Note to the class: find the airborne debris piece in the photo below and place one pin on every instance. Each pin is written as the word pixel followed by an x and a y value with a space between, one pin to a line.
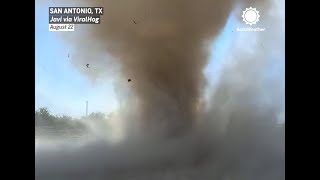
pixel 129 80
pixel 68 55
pixel 87 66
pixel 135 22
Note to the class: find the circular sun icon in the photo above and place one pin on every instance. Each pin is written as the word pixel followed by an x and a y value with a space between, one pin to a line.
pixel 250 16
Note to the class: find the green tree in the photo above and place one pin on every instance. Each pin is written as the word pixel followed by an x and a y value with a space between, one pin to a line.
pixel 43 117
pixel 97 116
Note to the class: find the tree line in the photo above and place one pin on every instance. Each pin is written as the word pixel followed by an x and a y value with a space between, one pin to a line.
pixel 44 120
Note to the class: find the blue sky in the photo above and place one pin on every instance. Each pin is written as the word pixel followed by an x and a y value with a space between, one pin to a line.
pixel 59 86
pixel 64 90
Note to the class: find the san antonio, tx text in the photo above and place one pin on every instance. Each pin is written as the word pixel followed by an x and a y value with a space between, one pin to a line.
pixel 75 10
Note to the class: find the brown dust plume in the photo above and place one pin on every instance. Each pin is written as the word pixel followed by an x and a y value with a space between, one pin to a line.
pixel 162 45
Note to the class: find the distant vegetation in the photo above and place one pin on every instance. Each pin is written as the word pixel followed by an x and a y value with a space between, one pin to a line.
pixel 45 121
pixel 54 125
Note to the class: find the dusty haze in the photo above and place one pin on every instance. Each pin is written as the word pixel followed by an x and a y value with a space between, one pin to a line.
pixel 172 131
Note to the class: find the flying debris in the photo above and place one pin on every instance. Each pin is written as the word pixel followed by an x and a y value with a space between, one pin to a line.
pixel 87 66
pixel 68 55
pixel 135 22
pixel 129 80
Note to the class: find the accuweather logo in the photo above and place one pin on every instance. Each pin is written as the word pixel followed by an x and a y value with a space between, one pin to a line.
pixel 250 16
